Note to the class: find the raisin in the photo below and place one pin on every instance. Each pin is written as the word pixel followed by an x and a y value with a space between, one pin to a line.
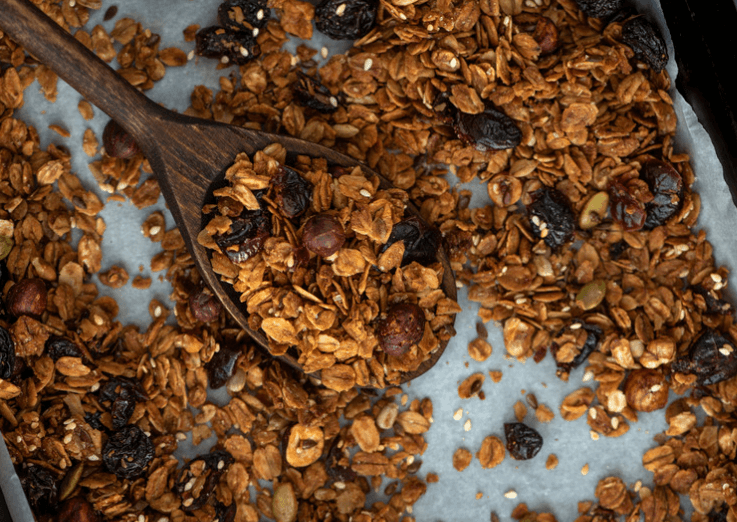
pixel 309 92
pixel 421 242
pixel 714 305
pixel 600 8
pixel 489 130
pixel 346 19
pixel 711 357
pixel 624 208
pixel 127 452
pixel 444 110
pixel 719 516
pixel 93 419
pixel 123 395
pixel 666 187
pixel 224 513
pixel 222 365
pixel 403 326
pixel 646 42
pixel 337 471
pixel 57 347
pixel 593 334
pixel 551 217
pixel 293 193
pixel 198 478
pixel 77 509
pixel 7 354
pixel 617 249
pixel 40 487
pixel 247 235
pixel 233 13
pixel 523 442
pixel 238 47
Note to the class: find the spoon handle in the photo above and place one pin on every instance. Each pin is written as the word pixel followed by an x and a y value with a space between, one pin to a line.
pixel 78 66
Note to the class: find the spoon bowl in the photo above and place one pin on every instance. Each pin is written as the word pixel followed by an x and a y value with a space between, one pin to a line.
pixel 187 155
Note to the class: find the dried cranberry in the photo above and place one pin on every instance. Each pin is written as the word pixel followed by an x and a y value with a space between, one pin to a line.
pixel 293 193
pixel 247 235
pixel 646 42
pixel 711 357
pixel 212 466
pixel 600 8
pixel 222 365
pixel 551 217
pixel 7 354
pixel 40 487
pixel 523 442
pixel 624 208
pixel 243 15
pixel 489 130
pixel 127 452
pixel 346 19
pixel 239 47
pixel 123 395
pixel 57 347
pixel 421 242
pixel 403 326
pixel 666 187
pixel 309 92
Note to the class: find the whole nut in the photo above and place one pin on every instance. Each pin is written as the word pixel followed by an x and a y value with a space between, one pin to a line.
pixel 26 297
pixel 646 390
pixel 284 505
pixel 404 326
pixel 117 142
pixel 204 306
pixel 546 35
pixel 77 509
pixel 323 234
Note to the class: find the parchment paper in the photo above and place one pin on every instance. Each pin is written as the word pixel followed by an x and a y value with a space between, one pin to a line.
pixel 454 497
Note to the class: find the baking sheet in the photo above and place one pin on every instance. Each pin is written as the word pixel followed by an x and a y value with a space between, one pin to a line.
pixel 455 496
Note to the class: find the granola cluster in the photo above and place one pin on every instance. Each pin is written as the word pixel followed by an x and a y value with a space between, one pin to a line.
pixel 321 261
pixel 584 249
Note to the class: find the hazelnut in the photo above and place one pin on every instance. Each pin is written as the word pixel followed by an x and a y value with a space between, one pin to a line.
pixel 117 142
pixel 404 326
pixel 546 35
pixel 646 390
pixel 26 297
pixel 77 509
pixel 204 306
pixel 323 234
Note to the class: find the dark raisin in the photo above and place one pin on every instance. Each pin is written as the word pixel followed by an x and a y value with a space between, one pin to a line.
pixel 600 8
pixel 123 395
pixel 117 142
pixel 346 19
pixel 523 442
pixel 224 513
pixel 7 354
pixel 198 478
pixel 309 92
pixel 93 419
pixel 713 305
pixel 243 15
pixel 421 242
pixel 239 47
pixel 666 187
pixel 127 452
pixel 646 42
pixel 711 357
pixel 40 487
pixel 624 208
pixel 57 347
pixel 489 130
pixel 403 326
pixel 336 470
pixel 593 334
pixel 719 516
pixel 247 235
pixel 293 193
pixel 222 365
pixel 444 110
pixel 551 217
pixel 617 249
pixel 323 234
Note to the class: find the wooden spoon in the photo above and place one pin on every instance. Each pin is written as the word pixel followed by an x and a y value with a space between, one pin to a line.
pixel 187 154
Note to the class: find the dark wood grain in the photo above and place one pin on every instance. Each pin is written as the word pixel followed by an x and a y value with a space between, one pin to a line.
pixel 187 155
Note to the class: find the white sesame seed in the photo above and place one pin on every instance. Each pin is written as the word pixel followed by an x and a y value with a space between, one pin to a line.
pixel 367 64
pixel 340 10
pixel 430 28
pixel 243 51
pixel 190 55
pixel 333 101
pixel 365 193
pixel 467 425
pixel 458 414
pixel 260 14
pixel 224 59
pixel 324 52
pixel 594 435
pixel 511 494
pixel 255 32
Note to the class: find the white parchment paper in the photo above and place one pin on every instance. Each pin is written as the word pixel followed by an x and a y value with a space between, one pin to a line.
pixel 454 498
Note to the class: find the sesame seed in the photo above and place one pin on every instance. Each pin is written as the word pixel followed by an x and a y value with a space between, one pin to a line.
pixel 458 414
pixel 454 64
pixel 367 64
pixel 324 52
pixel 260 14
pixel 224 59
pixel 333 101
pixel 467 425
pixel 594 435
pixel 365 193
pixel 255 32
pixel 511 494
pixel 243 51
pixel 340 10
